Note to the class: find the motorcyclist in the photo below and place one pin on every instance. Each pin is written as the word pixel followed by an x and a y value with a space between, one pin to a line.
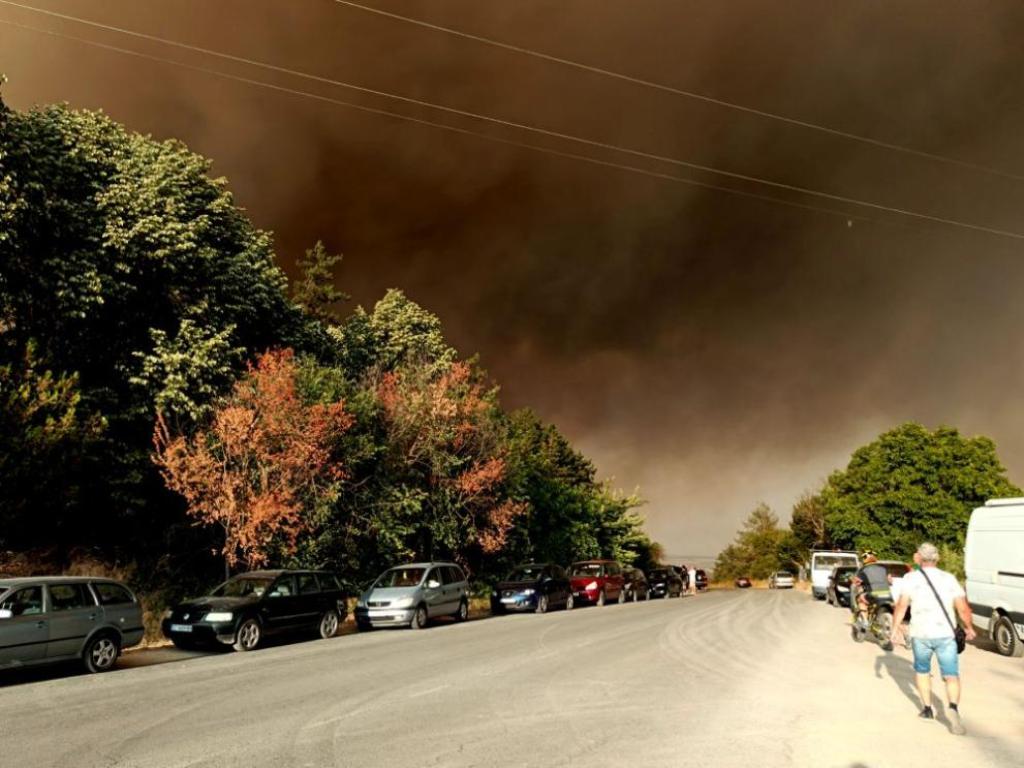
pixel 870 582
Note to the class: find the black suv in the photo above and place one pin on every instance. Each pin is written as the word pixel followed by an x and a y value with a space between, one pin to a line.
pixel 636 587
pixel 702 580
pixel 249 606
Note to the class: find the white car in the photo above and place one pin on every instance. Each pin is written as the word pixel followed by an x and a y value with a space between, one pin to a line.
pixel 781 580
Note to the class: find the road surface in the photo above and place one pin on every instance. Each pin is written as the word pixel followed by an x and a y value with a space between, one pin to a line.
pixel 751 678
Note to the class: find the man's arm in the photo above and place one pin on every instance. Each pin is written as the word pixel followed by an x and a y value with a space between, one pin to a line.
pixel 963 609
pixel 897 620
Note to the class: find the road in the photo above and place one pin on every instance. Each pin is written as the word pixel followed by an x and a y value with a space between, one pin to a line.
pixel 752 678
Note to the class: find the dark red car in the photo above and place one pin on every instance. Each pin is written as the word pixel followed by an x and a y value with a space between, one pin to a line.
pixel 597 581
pixel 743 582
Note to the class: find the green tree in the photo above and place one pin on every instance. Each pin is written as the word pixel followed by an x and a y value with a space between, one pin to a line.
pixel 759 549
pixel 910 485
pixel 316 290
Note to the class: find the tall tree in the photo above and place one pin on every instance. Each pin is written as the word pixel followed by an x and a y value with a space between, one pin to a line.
pixel 261 465
pixel 316 290
pixel 912 484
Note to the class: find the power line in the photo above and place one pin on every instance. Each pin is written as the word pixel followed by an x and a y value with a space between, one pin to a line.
pixel 679 91
pixel 441 126
pixel 489 119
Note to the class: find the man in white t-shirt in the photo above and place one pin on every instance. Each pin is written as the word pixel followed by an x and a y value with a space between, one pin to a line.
pixel 931 628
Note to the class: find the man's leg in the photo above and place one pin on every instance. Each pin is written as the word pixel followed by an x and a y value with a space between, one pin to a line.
pixel 949 668
pixel 923 677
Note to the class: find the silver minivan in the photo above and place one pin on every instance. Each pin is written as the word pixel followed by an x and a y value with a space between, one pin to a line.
pixel 49 619
pixel 410 595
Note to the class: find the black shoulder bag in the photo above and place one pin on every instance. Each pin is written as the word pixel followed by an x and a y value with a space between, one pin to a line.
pixel 958 632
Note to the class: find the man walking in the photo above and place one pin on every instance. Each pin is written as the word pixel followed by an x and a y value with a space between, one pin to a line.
pixel 934 594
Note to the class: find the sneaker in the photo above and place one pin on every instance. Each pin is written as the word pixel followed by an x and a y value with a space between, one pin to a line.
pixel 955 726
pixel 927 714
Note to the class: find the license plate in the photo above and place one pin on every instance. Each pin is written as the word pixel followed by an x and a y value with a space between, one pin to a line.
pixel 508 600
pixel 181 627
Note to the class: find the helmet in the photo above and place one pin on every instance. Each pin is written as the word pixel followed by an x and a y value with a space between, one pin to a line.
pixel 868 556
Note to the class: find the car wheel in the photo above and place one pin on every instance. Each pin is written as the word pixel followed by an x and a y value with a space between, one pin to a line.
pixel 329 624
pixel 101 653
pixel 542 604
pixel 419 619
pixel 249 636
pixel 570 601
pixel 1005 637
pixel 463 613
pixel 600 599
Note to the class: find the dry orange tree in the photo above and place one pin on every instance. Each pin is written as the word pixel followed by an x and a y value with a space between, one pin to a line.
pixel 262 459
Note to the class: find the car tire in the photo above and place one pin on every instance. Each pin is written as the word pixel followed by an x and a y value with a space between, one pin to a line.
pixel 463 613
pixel 328 624
pixel 1004 635
pixel 248 637
pixel 419 618
pixel 542 604
pixel 600 599
pixel 570 601
pixel 101 652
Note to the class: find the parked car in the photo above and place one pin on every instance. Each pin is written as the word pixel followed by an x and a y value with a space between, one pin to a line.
pixel 702 580
pixel 994 562
pixel 837 590
pixel 250 606
pixel 820 567
pixel 411 595
pixel 636 586
pixel 743 582
pixel 665 582
pixel 51 619
pixel 781 580
pixel 534 587
pixel 596 581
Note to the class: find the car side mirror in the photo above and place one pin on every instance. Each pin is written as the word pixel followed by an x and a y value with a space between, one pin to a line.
pixel 6 613
pixel 433 584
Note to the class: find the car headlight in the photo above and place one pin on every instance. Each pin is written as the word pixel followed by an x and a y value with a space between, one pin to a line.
pixel 402 602
pixel 219 616
pixel 591 586
pixel 527 591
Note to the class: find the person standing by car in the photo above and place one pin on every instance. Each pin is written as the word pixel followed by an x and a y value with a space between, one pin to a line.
pixel 934 594
pixel 692 579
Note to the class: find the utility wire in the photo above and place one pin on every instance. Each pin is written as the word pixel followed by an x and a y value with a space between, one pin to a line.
pixel 679 91
pixel 442 126
pixel 490 119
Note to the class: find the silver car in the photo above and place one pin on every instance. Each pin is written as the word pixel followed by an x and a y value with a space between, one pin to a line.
pixel 50 619
pixel 410 595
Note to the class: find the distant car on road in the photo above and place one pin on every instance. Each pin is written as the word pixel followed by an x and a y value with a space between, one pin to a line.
pixel 635 587
pixel 702 580
pixel 596 581
pixel 49 619
pixel 665 582
pixel 250 606
pixel 410 595
pixel 743 582
pixel 837 591
pixel 781 580
pixel 534 587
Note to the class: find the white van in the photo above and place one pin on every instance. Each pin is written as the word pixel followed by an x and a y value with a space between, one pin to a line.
pixel 994 564
pixel 821 565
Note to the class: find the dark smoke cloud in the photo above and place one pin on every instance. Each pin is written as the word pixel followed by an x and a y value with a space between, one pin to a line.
pixel 713 350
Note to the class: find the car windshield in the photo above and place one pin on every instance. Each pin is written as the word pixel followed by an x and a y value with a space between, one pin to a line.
pixel 587 569
pixel 527 573
pixel 831 561
pixel 243 586
pixel 783 575
pixel 896 570
pixel 400 577
pixel 658 573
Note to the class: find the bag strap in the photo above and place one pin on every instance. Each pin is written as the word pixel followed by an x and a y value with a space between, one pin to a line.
pixel 939 599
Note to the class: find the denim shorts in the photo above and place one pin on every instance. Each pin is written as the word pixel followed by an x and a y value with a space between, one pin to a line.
pixel 944 648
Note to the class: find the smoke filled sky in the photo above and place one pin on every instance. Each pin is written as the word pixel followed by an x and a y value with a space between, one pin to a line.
pixel 714 350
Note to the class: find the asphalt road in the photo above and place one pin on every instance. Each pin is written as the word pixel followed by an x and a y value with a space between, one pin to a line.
pixel 750 678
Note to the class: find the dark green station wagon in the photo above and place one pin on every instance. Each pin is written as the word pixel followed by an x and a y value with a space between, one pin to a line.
pixel 49 619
